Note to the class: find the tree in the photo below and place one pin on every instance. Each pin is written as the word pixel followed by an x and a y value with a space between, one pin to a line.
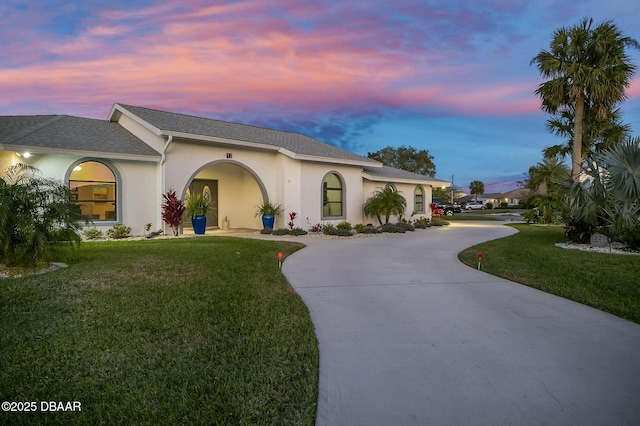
pixel 477 188
pixel 406 158
pixel 35 213
pixel 445 193
pixel 608 200
pixel 385 202
pixel 585 66
pixel 597 135
pixel 545 178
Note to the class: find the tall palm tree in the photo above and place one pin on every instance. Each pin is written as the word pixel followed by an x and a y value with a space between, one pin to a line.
pixel 477 188
pixel 585 64
pixel 597 135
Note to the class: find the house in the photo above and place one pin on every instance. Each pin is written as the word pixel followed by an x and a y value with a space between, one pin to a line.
pixel 517 196
pixel 118 169
pixel 512 198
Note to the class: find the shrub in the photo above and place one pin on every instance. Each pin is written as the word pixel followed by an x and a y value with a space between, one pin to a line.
pixel 609 196
pixel 266 231
pixel 292 217
pixel 297 231
pixel 504 205
pixel 532 216
pixel 422 223
pixel 172 211
pixel 392 228
pixel 489 206
pixel 329 229
pixel 92 233
pixel 316 228
pixel 119 231
pixel 345 225
pixel 438 221
pixel 341 232
pixel 281 231
pixel 406 226
pixel 578 231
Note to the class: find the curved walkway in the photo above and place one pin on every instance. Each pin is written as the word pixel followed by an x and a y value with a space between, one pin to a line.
pixel 408 335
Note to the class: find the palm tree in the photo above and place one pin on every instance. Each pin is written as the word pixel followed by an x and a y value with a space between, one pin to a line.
pixel 585 65
pixel 477 188
pixel 34 214
pixel 385 202
pixel 545 178
pixel 597 135
pixel 609 197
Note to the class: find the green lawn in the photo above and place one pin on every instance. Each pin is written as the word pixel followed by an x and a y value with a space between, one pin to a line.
pixel 175 331
pixel 608 282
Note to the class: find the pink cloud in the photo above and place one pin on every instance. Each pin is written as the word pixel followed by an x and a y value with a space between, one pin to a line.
pixel 300 57
pixel 633 92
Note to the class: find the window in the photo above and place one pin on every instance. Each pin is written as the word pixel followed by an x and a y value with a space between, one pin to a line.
pixel 418 200
pixel 93 190
pixel 332 196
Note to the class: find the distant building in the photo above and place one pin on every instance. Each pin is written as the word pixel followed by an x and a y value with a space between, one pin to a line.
pixel 513 198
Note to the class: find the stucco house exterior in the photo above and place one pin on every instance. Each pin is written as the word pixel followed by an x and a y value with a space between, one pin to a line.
pixel 118 169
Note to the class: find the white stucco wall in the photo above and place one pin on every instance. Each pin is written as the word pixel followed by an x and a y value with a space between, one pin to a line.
pixel 407 191
pixel 311 193
pixel 138 200
pixel 7 159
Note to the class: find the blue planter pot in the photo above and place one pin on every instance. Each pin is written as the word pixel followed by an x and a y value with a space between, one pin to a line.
pixel 199 224
pixel 268 220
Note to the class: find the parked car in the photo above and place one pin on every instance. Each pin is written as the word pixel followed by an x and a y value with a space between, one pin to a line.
pixel 475 205
pixel 447 208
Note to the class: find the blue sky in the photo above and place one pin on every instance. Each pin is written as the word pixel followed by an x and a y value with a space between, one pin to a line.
pixel 452 77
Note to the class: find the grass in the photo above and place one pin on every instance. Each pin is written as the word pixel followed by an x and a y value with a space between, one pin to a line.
pixel 608 282
pixel 176 331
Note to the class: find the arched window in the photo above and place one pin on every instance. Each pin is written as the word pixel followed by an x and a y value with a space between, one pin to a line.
pixel 332 197
pixel 93 189
pixel 418 200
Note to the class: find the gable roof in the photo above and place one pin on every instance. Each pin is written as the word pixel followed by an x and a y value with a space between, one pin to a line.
pixel 519 193
pixel 190 127
pixel 64 133
pixel 386 173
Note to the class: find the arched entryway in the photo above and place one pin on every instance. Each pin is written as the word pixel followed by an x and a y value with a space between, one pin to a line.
pixel 234 190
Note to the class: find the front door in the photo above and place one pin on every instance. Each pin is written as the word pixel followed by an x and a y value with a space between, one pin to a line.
pixel 209 190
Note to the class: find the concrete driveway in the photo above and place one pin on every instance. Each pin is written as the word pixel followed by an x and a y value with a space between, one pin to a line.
pixel 410 336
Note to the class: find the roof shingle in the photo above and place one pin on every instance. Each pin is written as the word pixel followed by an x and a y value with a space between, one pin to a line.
pixel 294 142
pixel 71 133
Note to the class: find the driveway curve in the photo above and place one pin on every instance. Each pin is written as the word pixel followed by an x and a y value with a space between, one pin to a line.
pixel 408 335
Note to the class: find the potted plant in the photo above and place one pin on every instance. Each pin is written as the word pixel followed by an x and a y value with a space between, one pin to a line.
pixel 197 206
pixel 268 211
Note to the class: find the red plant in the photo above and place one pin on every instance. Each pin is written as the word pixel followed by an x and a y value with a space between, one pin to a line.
pixel 435 210
pixel 172 211
pixel 292 217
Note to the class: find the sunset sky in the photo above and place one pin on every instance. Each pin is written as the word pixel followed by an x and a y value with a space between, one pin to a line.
pixel 452 77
